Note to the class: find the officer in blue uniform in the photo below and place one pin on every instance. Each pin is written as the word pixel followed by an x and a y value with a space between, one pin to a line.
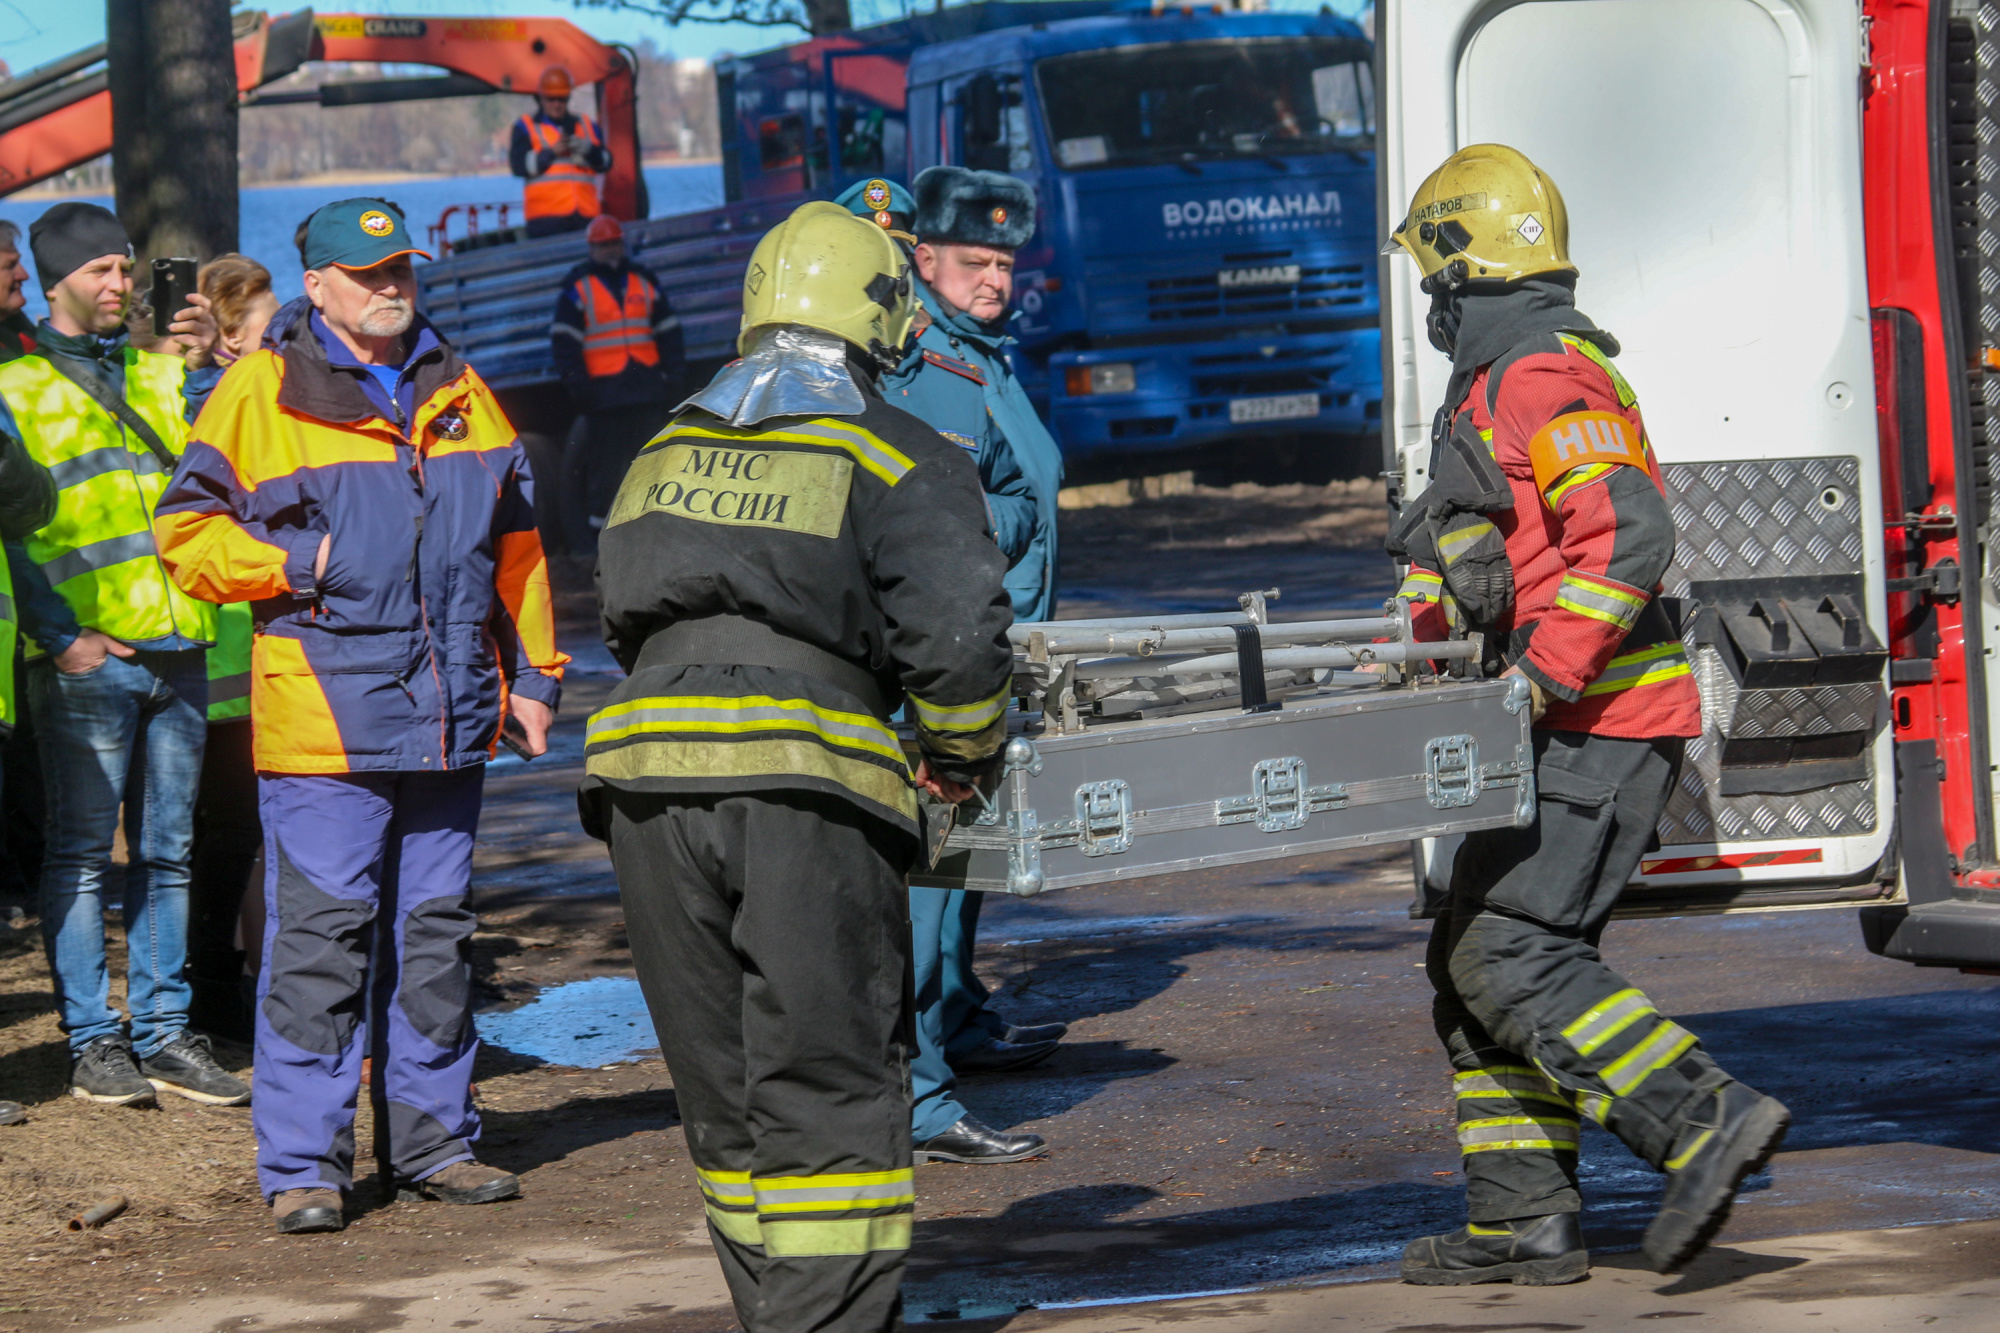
pixel 963 228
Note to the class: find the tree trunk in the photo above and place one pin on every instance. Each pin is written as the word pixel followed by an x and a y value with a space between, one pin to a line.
pixel 172 70
pixel 825 16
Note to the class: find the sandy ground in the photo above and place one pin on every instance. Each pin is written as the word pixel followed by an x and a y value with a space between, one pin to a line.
pixel 1251 1095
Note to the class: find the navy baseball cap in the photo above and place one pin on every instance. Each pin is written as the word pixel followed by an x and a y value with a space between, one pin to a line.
pixel 357 233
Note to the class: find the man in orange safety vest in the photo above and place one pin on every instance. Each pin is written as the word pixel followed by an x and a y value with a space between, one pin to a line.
pixel 561 156
pixel 617 345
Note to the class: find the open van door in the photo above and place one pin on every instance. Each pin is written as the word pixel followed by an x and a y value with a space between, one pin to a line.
pixel 1709 152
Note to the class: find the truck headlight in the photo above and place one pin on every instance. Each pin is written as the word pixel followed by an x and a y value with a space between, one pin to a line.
pixel 1115 377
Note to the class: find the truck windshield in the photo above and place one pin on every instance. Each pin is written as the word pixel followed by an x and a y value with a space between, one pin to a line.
pixel 1195 100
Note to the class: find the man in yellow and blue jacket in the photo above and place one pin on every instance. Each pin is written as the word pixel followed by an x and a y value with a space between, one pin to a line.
pixel 359 485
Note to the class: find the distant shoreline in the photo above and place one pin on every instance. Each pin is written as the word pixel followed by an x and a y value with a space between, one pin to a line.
pixel 38 193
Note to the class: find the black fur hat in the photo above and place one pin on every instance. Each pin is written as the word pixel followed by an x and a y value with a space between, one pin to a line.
pixel 959 206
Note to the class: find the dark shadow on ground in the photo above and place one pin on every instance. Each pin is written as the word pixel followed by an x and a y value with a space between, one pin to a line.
pixel 1890 1069
pixel 1896 1075
pixel 1084 1242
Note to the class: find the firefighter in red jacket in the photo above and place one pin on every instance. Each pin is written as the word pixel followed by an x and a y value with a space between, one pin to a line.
pixel 618 347
pixel 1546 527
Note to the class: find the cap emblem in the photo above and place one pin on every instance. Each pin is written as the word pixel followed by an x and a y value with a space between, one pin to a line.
pixel 377 224
pixel 876 195
pixel 999 216
pixel 885 220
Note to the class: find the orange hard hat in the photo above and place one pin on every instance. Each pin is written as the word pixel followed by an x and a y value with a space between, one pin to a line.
pixel 604 228
pixel 556 82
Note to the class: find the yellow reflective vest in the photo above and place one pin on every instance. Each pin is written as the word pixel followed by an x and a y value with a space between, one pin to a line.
pixel 229 663
pixel 99 552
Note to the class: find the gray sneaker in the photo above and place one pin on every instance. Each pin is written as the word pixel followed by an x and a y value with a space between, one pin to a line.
pixel 103 1072
pixel 186 1065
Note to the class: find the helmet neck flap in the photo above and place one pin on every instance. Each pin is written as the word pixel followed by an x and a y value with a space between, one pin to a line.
pixel 789 371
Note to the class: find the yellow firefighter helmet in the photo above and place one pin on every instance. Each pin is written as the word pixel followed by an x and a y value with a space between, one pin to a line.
pixel 824 268
pixel 1487 215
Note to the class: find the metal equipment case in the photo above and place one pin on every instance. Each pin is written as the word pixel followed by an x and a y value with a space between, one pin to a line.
pixel 1338 759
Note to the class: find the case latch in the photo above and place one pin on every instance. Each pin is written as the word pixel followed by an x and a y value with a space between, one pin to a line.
pixel 1451 771
pixel 1024 842
pixel 1104 817
pixel 1278 786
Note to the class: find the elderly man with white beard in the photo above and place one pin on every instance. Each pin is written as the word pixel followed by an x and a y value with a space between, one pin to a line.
pixel 358 483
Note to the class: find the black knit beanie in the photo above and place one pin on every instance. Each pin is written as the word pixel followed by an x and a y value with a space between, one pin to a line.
pixel 70 235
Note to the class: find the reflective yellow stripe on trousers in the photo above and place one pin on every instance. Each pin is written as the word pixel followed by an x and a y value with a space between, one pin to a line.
pixel 792 1216
pixel 1546 1133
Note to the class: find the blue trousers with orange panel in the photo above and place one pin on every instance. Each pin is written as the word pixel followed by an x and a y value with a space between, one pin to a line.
pixel 366 879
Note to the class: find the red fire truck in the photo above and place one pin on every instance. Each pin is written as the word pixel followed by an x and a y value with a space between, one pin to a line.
pixel 1789 211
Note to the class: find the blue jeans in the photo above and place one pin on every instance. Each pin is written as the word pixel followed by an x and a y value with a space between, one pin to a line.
pixel 129 733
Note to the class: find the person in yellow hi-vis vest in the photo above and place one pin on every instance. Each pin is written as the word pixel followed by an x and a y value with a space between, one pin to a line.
pixel 116 674
pixel 27 501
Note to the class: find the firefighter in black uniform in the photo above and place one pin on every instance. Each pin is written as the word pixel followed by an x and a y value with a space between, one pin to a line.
pixel 786 563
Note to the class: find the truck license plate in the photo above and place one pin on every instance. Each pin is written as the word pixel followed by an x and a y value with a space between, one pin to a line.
pixel 1278 407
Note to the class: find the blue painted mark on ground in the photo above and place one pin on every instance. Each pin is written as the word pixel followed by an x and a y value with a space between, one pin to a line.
pixel 601 1021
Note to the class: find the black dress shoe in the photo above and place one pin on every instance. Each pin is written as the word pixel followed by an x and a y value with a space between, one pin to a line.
pixel 993 1055
pixel 1537 1252
pixel 975 1144
pixel 1039 1032
pixel 1732 1139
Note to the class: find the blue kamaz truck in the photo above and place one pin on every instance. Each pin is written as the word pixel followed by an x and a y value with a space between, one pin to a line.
pixel 1202 279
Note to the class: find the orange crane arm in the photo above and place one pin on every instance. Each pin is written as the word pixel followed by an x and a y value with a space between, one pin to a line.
pixel 507 54
pixel 510 54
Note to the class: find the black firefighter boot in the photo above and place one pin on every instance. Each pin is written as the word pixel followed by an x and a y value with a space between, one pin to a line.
pixel 1729 1140
pixel 1531 1252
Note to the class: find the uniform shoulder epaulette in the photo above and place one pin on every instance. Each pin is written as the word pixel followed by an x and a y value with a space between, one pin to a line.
pixel 943 362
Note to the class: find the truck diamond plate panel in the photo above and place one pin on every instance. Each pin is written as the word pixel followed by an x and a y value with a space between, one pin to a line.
pixel 1764 518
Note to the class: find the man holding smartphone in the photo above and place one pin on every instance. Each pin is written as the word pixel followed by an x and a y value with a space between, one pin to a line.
pixel 117 676
pixel 357 483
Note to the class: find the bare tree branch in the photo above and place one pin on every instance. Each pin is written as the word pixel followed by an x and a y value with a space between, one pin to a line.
pixel 758 13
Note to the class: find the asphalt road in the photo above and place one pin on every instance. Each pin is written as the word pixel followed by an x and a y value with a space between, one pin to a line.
pixel 1252 1092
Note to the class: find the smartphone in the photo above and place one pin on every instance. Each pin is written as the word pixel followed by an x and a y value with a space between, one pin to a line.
pixel 514 736
pixel 173 283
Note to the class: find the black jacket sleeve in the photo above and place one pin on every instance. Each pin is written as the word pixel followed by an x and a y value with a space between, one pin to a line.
pixel 517 152
pixel 566 337
pixel 937 574
pixel 668 336
pixel 27 492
